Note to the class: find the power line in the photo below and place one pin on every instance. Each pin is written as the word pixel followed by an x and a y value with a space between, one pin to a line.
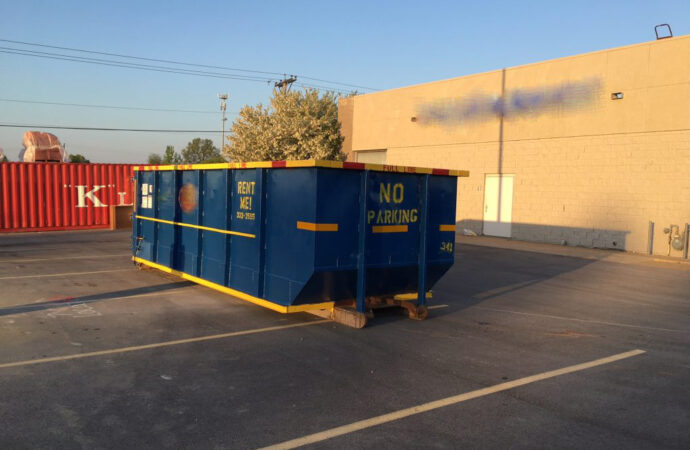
pixel 317 86
pixel 57 127
pixel 82 105
pixel 138 57
pixel 342 84
pixel 105 62
pixel 167 61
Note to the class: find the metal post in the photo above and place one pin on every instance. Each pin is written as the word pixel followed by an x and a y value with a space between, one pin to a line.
pixel 423 219
pixel 228 225
pixel 650 238
pixel 223 99
pixel 222 135
pixel 177 230
pixel 262 173
pixel 361 248
pixel 687 241
pixel 137 222
pixel 199 221
pixel 154 213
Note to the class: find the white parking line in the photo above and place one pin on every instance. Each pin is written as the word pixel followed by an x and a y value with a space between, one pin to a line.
pixel 65 274
pixel 437 306
pixel 20 260
pixel 397 415
pixel 598 322
pixel 158 344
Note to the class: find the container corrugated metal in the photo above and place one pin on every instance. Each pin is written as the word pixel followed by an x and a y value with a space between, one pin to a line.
pixel 61 196
pixel 298 235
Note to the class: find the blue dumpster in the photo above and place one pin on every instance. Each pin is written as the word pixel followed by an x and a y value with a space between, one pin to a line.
pixel 299 235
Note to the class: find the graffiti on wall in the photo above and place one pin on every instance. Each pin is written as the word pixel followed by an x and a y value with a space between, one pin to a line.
pixel 515 103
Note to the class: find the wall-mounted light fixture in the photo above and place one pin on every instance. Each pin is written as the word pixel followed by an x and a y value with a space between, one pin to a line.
pixel 616 96
pixel 413 119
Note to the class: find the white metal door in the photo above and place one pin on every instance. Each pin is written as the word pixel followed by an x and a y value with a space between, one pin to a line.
pixel 372 157
pixel 498 205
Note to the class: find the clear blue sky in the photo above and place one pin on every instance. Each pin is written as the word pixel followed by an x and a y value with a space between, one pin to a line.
pixel 380 44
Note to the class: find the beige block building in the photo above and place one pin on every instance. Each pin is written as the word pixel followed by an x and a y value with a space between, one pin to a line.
pixel 585 150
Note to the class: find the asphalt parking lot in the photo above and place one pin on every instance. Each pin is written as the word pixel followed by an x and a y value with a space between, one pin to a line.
pixel 97 354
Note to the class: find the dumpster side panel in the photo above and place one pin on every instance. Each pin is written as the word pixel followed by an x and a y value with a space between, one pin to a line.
pixel 166 207
pixel 440 236
pixel 337 194
pixel 186 250
pixel 214 207
pixel 393 207
pixel 245 250
pixel 291 203
pixel 392 227
pixel 441 228
pixel 335 264
pixel 144 207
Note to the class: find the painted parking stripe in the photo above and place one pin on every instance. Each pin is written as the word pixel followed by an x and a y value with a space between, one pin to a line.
pixel 574 319
pixel 159 344
pixel 68 274
pixel 401 414
pixel 437 307
pixel 60 258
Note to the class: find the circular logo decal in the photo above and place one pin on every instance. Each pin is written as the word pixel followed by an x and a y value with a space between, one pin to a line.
pixel 187 198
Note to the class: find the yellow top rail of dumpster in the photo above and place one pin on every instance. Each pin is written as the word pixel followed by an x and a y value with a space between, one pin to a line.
pixel 309 163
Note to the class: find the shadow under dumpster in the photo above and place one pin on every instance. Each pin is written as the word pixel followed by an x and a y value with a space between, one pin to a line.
pixel 481 273
pixel 556 234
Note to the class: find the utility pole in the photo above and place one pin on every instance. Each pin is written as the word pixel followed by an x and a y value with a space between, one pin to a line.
pixel 223 99
pixel 285 83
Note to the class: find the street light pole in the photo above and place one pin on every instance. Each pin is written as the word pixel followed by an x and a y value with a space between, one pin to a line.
pixel 223 99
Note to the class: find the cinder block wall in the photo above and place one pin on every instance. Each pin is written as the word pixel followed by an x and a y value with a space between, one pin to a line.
pixel 594 175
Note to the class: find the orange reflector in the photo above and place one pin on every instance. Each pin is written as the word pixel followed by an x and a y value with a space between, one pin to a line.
pixel 389 229
pixel 447 227
pixel 317 226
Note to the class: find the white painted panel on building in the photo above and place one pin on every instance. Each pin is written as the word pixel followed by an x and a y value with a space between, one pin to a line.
pixel 498 205
pixel 372 157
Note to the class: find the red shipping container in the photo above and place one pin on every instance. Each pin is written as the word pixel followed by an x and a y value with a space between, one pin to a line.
pixel 61 196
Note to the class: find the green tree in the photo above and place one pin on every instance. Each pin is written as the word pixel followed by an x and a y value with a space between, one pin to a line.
pixel 201 151
pixel 170 156
pixel 215 159
pixel 3 159
pixel 296 125
pixel 155 158
pixel 77 158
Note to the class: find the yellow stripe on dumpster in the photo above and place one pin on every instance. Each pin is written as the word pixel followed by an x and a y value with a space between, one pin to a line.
pixel 446 227
pixel 198 227
pixel 389 229
pixel 309 226
pixel 235 293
